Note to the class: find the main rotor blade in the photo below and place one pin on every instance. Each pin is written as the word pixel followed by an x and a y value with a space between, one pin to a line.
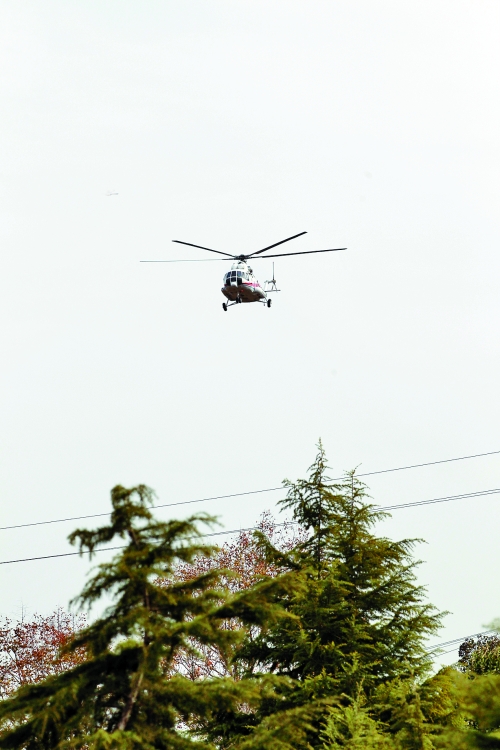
pixel 190 244
pixel 303 252
pixel 187 260
pixel 276 244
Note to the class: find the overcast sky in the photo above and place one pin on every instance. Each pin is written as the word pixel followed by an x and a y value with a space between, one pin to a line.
pixel 372 125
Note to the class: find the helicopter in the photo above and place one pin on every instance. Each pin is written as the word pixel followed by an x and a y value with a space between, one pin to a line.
pixel 239 283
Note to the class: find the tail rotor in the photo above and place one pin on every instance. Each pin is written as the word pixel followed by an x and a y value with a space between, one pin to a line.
pixel 272 284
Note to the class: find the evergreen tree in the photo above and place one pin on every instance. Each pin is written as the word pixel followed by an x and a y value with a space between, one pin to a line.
pixel 351 727
pixel 415 713
pixel 477 724
pixel 121 697
pixel 357 615
pixel 477 695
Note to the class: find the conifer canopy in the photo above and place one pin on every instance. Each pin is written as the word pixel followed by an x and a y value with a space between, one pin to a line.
pixel 123 695
pixel 358 617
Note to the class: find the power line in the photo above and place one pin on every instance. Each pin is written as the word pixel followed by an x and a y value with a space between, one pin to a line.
pixel 459 640
pixel 451 651
pixel 464 496
pixel 48 557
pixel 416 503
pixel 429 463
pixel 165 505
pixel 109 549
pixel 270 489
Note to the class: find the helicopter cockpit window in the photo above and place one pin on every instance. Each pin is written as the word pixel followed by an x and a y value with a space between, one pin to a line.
pixel 233 275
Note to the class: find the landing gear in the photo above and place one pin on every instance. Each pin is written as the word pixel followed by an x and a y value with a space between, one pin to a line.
pixel 224 307
pixel 269 302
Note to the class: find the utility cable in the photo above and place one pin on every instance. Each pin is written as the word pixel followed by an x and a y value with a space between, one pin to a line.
pixel 417 503
pixel 106 549
pixel 464 496
pixel 429 463
pixel 458 641
pixel 165 505
pixel 255 492
pixel 451 651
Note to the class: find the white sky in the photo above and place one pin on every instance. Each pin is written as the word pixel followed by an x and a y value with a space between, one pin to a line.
pixel 233 125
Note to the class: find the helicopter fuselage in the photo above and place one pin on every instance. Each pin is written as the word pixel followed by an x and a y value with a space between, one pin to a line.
pixel 241 285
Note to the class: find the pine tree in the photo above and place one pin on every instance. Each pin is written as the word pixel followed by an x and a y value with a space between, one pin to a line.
pixel 351 727
pixel 122 697
pixel 357 615
pixel 477 722
pixel 416 713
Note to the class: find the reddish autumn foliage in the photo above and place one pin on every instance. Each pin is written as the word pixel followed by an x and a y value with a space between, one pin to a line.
pixel 31 650
pixel 244 559
pixel 242 556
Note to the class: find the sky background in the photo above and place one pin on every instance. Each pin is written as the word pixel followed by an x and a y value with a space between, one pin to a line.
pixel 373 126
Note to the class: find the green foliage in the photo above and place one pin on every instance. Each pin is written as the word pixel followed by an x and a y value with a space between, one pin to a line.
pixel 328 651
pixel 416 712
pixel 351 727
pixel 120 697
pixel 402 715
pixel 480 655
pixel 357 616
pixel 478 714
